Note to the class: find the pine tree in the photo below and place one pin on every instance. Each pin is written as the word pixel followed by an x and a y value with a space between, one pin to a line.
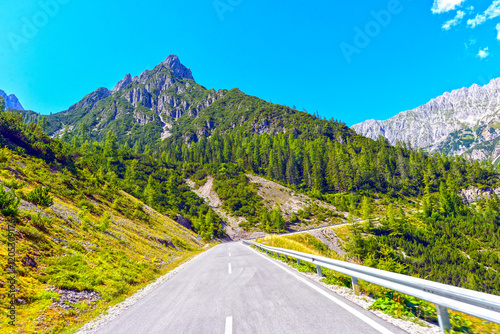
pixel 43 122
pixel 149 191
pixel 110 146
pixel 366 208
pixel 427 199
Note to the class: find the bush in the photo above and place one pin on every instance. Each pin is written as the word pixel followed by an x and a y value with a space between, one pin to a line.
pixel 77 246
pixel 40 196
pixel 104 223
pixel 40 222
pixel 14 184
pixel 84 204
pixel 9 202
pixel 31 233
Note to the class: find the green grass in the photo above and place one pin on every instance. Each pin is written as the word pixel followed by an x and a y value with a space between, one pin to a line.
pixel 103 241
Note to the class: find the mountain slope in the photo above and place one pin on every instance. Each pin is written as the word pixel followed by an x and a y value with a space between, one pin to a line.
pixel 81 243
pixel 166 101
pixel 11 101
pixel 138 108
pixel 453 123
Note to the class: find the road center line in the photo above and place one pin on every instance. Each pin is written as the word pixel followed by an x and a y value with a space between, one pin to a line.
pixel 378 327
pixel 229 325
pixel 229 253
pixel 229 268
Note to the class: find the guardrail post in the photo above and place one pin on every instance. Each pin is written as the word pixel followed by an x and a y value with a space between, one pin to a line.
pixel 318 271
pixel 298 261
pixel 443 318
pixel 286 257
pixel 355 285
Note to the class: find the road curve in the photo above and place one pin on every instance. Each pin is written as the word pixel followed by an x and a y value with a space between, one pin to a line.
pixel 235 289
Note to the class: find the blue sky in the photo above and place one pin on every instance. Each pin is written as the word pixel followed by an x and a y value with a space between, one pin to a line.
pixel 351 60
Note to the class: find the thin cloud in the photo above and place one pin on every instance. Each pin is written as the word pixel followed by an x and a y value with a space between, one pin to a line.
pixel 455 21
pixel 470 43
pixel 443 6
pixel 483 53
pixel 490 13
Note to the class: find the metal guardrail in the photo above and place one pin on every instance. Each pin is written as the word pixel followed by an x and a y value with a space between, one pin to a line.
pixel 478 304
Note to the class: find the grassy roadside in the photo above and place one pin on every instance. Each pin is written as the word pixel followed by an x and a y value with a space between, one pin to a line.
pixel 79 234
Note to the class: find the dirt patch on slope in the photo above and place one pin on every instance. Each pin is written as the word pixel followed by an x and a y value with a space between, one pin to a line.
pixel 207 192
pixel 289 200
pixel 230 223
pixel 329 238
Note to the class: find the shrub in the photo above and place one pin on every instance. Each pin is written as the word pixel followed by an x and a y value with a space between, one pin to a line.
pixel 40 222
pixel 84 204
pixel 31 233
pixel 9 202
pixel 77 246
pixel 104 223
pixel 15 184
pixel 40 196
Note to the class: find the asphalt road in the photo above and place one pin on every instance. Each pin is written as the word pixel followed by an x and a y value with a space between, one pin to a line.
pixel 234 289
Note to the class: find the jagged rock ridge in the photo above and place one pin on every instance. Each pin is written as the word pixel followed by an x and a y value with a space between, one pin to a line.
pixel 11 101
pixel 454 123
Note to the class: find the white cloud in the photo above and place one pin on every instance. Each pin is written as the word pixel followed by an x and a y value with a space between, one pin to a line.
pixel 470 43
pixel 455 21
pixel 490 13
pixel 483 53
pixel 443 6
pixel 498 31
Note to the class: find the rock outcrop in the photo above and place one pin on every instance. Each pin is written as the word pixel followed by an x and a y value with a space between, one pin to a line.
pixel 11 101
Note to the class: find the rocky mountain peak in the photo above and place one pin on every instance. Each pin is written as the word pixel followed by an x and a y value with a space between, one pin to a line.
pixel 177 68
pixel 157 76
pixel 11 101
pixel 123 83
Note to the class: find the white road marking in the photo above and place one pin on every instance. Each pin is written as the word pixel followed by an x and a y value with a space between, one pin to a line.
pixel 229 268
pixel 229 253
pixel 340 303
pixel 229 325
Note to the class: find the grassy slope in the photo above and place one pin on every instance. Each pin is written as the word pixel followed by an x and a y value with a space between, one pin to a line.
pixel 72 250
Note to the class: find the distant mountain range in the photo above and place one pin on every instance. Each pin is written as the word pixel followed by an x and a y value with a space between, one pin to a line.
pixel 11 101
pixel 465 121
